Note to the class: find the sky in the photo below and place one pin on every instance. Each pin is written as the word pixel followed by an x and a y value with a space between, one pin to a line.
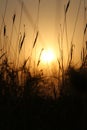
pixel 49 21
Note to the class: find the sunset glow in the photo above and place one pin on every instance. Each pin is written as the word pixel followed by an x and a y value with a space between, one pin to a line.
pixel 47 56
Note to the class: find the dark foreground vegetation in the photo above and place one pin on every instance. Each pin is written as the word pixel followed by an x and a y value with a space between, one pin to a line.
pixel 22 106
pixel 29 102
pixel 66 113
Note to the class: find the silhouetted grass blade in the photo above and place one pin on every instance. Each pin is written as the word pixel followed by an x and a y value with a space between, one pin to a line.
pixel 21 43
pixel 35 39
pixel 67 7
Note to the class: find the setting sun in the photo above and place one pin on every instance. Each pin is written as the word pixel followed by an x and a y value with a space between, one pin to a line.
pixel 47 56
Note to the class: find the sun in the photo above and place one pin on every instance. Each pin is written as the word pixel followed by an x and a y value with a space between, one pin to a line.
pixel 47 56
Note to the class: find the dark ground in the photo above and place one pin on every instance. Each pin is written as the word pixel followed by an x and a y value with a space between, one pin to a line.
pixel 66 113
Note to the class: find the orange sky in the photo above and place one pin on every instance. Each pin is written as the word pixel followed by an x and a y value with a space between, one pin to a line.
pixel 51 15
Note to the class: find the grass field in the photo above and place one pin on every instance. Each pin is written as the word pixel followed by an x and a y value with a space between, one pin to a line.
pixel 31 100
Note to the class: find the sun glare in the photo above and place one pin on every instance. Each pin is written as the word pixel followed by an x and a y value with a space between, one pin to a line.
pixel 47 56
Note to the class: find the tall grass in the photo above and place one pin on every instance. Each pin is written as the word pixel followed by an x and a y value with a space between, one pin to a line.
pixel 22 92
pixel 19 81
pixel 65 74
